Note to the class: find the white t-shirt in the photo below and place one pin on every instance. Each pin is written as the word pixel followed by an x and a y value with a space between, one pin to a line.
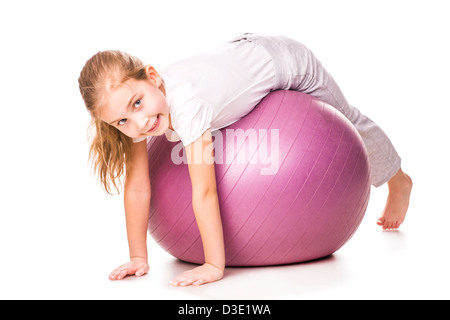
pixel 215 89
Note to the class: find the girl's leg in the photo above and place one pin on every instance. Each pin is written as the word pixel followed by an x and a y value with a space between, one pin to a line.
pixel 302 71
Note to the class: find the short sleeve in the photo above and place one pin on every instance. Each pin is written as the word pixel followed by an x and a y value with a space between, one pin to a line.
pixel 190 114
pixel 191 119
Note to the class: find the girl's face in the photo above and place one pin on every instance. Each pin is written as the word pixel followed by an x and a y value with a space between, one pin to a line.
pixel 138 108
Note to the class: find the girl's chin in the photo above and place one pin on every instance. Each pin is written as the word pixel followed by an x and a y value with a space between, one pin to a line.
pixel 157 133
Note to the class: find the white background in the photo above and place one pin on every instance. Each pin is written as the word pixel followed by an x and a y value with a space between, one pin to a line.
pixel 60 235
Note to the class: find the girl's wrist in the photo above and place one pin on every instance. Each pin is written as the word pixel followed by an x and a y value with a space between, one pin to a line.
pixel 215 266
pixel 138 258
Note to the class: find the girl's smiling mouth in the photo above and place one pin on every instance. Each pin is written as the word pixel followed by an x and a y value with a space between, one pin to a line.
pixel 155 125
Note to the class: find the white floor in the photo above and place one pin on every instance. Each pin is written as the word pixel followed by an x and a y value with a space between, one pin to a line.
pixel 72 261
pixel 60 235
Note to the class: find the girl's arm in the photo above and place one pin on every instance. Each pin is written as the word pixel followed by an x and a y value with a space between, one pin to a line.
pixel 137 206
pixel 207 213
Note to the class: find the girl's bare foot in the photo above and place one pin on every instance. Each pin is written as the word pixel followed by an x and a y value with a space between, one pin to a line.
pixel 397 202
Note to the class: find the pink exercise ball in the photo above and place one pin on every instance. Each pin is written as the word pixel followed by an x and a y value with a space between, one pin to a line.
pixel 295 189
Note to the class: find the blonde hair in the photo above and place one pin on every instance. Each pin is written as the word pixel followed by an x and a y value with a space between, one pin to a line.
pixel 110 150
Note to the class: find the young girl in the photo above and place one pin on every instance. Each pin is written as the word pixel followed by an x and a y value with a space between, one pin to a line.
pixel 130 101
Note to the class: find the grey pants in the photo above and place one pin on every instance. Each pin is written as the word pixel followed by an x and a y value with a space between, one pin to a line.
pixel 298 69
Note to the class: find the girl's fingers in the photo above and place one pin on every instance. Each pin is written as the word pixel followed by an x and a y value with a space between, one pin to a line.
pixel 137 269
pixel 118 274
pixel 141 271
pixel 123 273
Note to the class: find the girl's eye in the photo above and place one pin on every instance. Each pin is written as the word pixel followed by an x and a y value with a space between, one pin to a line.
pixel 122 122
pixel 137 104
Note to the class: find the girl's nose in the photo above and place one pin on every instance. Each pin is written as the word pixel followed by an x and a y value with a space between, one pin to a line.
pixel 142 122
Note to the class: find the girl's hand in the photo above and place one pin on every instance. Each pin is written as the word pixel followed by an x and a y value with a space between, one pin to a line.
pixel 136 266
pixel 198 276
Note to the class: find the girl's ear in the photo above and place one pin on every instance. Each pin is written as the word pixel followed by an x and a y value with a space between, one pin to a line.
pixel 153 75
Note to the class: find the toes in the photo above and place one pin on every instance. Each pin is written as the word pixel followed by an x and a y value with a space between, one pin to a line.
pixel 387 225
pixel 391 225
pixel 380 221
